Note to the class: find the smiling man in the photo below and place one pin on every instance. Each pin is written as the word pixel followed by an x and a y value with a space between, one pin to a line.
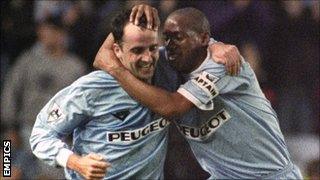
pixel 108 126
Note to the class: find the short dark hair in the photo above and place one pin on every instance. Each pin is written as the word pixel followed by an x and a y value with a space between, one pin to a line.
pixel 196 20
pixel 121 20
pixel 54 21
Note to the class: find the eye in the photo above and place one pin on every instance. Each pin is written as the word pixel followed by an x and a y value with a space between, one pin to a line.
pixel 137 50
pixel 178 37
pixel 165 37
pixel 154 48
pixel 175 38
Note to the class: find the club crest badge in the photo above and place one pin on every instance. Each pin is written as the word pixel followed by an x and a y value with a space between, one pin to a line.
pixel 55 113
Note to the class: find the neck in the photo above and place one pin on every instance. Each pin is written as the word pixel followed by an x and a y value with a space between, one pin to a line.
pixel 198 58
pixel 55 52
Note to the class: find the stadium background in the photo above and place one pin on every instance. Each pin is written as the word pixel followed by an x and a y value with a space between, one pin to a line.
pixel 280 39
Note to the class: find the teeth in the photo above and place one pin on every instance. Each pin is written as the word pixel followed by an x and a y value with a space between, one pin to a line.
pixel 146 66
pixel 171 58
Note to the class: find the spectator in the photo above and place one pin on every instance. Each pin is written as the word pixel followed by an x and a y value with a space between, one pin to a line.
pixel 37 75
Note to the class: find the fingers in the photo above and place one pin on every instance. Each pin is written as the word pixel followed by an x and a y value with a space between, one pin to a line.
pixel 156 24
pixel 101 164
pixel 234 52
pixel 226 57
pixel 153 21
pixel 98 171
pixel 233 62
pixel 229 64
pixel 95 156
pixel 92 174
pixel 99 161
pixel 138 15
pixel 239 60
pixel 233 70
pixel 149 16
pixel 239 65
pixel 133 14
pixel 217 53
pixel 97 166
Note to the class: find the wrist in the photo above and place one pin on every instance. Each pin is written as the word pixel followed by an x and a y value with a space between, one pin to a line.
pixel 73 162
pixel 118 71
pixel 62 156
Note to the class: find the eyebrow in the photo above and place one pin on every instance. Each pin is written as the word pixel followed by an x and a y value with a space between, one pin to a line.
pixel 171 33
pixel 143 47
pixel 156 44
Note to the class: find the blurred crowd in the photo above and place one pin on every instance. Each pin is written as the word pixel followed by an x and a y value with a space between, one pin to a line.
pixel 46 45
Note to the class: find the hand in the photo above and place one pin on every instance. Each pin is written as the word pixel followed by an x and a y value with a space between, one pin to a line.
pixel 91 166
pixel 106 59
pixel 151 15
pixel 228 55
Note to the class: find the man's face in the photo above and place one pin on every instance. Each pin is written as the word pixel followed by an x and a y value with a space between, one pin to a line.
pixel 51 36
pixel 138 51
pixel 182 44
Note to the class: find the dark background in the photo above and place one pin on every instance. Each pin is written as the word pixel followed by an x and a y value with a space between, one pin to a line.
pixel 280 39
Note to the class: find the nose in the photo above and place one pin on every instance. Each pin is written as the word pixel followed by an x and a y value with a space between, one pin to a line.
pixel 147 56
pixel 167 42
pixel 170 44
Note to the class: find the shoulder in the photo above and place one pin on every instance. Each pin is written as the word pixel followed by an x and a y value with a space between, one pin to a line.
pixel 210 67
pixel 72 58
pixel 27 57
pixel 95 80
pixel 89 88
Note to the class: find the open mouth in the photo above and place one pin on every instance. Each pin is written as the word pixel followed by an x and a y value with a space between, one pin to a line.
pixel 144 65
pixel 171 56
pixel 147 66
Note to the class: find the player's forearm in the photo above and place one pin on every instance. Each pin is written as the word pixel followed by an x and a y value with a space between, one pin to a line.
pixel 158 100
pixel 45 143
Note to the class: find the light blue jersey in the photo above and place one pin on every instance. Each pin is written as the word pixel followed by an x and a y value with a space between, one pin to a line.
pixel 104 120
pixel 233 132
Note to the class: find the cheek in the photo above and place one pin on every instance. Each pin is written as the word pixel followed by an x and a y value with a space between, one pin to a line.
pixel 186 47
pixel 122 57
pixel 155 56
pixel 130 60
pixel 189 49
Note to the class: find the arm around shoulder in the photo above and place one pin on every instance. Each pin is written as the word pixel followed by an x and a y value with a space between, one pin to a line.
pixel 160 101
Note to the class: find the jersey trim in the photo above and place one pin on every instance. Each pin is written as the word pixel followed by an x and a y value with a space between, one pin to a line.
pixel 206 82
pixel 63 156
pixel 195 101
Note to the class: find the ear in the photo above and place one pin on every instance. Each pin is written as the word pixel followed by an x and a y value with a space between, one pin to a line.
pixel 205 38
pixel 117 50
